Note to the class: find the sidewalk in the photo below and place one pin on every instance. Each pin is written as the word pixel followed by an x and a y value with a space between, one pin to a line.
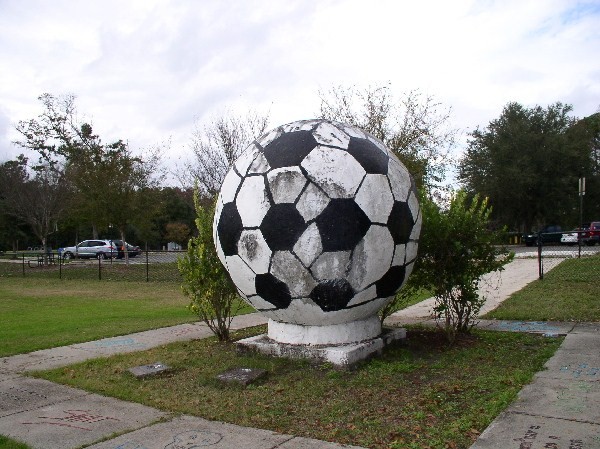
pixel 50 416
pixel 560 409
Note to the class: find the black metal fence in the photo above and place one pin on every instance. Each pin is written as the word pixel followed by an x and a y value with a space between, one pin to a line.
pixel 578 256
pixel 150 266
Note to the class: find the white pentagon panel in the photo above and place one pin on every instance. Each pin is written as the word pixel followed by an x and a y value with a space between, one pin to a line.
pixel 309 245
pixel 216 216
pixel 399 179
pixel 312 202
pixel 302 125
pixel 375 198
pixel 259 165
pixel 269 137
pixel 300 311
pixel 411 251
pixel 413 205
pixel 355 132
pixel 230 186
pixel 260 304
pixel 331 265
pixel 241 275
pixel 285 184
pixel 399 255
pixel 335 171
pixel 286 267
pixel 252 202
pixel 416 230
pixel 327 134
pixel 366 295
pixel 243 162
pixel 372 257
pixel 253 249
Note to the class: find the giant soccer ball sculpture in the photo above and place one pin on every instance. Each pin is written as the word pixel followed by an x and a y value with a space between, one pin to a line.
pixel 317 223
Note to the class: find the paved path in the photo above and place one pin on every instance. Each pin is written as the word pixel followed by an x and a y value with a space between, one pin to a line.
pixel 560 409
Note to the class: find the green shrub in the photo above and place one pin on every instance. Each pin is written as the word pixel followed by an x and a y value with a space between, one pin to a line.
pixel 213 296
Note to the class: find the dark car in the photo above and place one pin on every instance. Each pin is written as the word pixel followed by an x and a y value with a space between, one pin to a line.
pixel 132 250
pixel 550 234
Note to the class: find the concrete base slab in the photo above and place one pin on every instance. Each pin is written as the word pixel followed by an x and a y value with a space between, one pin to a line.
pixel 341 356
pixel 555 398
pixel 190 432
pixel 76 422
pixel 22 394
pixel 518 431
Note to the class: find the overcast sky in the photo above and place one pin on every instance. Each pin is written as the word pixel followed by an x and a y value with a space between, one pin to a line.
pixel 148 71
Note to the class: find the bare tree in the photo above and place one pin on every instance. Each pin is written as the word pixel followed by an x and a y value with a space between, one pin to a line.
pixel 217 145
pixel 415 126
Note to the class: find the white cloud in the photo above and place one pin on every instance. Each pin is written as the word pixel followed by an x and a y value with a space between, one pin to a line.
pixel 145 71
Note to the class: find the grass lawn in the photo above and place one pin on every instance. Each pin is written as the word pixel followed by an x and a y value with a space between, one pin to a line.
pixel 46 313
pixel 568 292
pixel 422 394
pixel 7 443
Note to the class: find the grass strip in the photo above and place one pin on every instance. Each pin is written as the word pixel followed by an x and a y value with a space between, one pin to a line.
pixel 49 313
pixel 421 394
pixel 568 292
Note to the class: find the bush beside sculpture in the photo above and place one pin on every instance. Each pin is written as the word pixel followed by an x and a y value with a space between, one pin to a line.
pixel 457 247
pixel 213 296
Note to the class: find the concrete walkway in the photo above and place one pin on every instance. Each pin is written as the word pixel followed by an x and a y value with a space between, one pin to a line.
pixel 559 409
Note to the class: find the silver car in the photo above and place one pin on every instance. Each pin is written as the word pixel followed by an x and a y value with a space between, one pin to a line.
pixel 99 249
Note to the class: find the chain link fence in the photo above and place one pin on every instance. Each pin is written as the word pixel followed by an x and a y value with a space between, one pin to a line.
pixel 579 258
pixel 150 266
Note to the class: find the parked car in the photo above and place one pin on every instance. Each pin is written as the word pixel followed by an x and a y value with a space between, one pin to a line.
pixel 132 250
pixel 570 238
pixel 550 234
pixel 591 234
pixel 99 249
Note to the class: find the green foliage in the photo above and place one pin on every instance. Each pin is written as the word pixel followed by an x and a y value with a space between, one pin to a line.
pixel 527 162
pixel 456 249
pixel 213 296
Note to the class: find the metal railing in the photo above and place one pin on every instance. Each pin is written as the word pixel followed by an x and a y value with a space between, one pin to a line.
pixel 557 247
pixel 149 266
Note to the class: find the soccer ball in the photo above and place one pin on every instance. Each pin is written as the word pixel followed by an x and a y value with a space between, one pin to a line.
pixel 317 223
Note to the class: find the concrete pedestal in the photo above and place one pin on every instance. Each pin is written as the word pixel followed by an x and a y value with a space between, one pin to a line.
pixel 342 356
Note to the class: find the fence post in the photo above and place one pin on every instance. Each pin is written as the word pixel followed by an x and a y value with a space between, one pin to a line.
pixel 540 264
pixel 147 267
pixel 99 268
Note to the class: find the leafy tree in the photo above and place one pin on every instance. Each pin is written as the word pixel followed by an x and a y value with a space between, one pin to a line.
pixel 217 145
pixel 527 166
pixel 415 126
pixel 177 232
pixel 110 184
pixel 213 296
pixel 456 249
pixel 38 199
